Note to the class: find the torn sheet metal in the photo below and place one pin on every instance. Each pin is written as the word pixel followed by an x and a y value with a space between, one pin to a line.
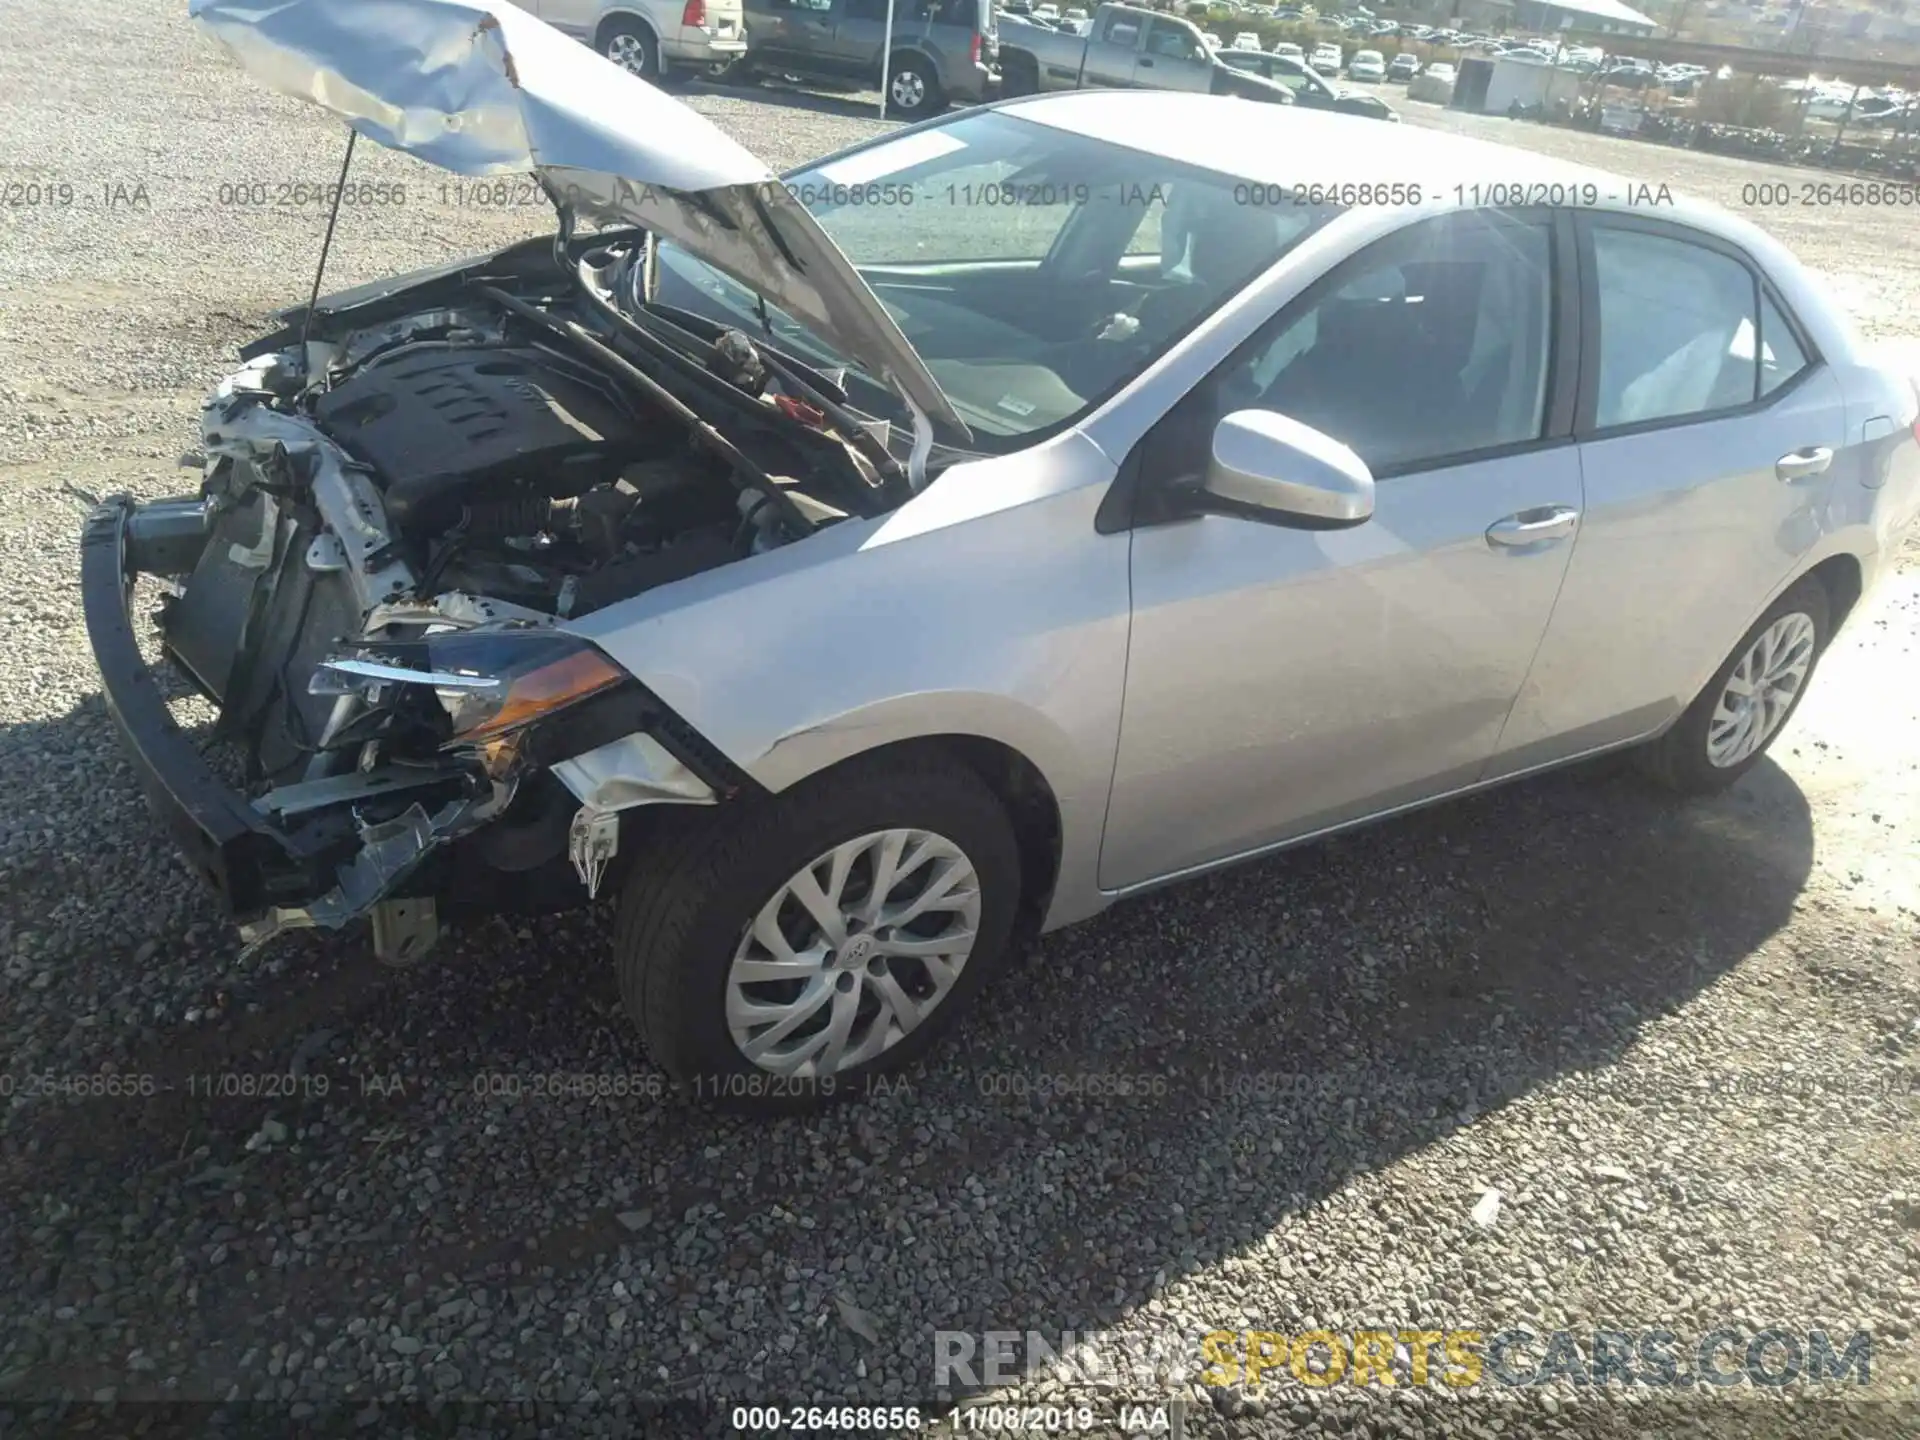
pixel 634 770
pixel 480 87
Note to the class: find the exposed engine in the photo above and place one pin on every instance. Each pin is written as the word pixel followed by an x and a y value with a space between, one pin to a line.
pixel 522 477
pixel 514 454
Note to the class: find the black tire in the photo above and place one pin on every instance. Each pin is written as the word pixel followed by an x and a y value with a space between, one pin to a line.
pixel 632 46
pixel 913 90
pixel 1679 759
pixel 690 897
pixel 1019 74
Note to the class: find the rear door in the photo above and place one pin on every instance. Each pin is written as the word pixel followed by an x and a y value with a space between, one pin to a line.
pixel 794 34
pixel 578 18
pixel 860 33
pixel 1708 430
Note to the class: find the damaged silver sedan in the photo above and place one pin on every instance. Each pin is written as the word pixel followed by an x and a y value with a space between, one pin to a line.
pixel 856 571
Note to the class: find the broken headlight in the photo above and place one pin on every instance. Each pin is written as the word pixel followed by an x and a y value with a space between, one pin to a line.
pixel 490 685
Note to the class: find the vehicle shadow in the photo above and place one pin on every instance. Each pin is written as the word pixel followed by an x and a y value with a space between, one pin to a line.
pixel 789 95
pixel 1141 1098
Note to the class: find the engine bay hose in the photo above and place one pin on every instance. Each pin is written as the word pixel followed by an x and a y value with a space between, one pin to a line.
pixel 757 478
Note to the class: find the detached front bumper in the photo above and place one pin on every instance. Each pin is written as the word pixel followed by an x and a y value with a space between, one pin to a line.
pixel 253 861
pixel 325 851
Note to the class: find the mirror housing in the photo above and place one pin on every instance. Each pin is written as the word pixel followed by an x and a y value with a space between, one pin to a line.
pixel 1264 466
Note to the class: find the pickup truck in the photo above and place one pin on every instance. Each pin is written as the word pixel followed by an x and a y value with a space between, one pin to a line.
pixel 1126 48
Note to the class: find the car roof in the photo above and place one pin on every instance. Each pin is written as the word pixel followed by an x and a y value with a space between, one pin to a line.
pixel 1271 142
pixel 1291 144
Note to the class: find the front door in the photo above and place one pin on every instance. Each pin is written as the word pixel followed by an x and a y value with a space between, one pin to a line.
pixel 1284 681
pixel 1172 60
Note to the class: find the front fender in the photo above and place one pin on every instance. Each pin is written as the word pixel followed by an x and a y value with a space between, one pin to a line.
pixel 987 606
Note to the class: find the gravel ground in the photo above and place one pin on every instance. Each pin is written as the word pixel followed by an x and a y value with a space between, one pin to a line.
pixel 1679 1041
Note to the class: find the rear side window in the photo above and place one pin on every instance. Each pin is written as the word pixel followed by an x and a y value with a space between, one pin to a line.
pixel 1677 329
pixel 1781 357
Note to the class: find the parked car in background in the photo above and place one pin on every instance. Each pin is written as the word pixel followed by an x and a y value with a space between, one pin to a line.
pixel 1367 65
pixel 1212 37
pixel 1637 76
pixel 653 38
pixel 1307 87
pixel 1325 59
pixel 944 51
pixel 1126 48
pixel 1246 40
pixel 1180 533
pixel 1433 85
pixel 1047 12
pixel 1404 67
pixel 1289 50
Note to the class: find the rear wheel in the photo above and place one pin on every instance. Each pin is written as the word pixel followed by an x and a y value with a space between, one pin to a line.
pixel 1748 702
pixel 634 49
pixel 787 955
pixel 913 91
pixel 1019 74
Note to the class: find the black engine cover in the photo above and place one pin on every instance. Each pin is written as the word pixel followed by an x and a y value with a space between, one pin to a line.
pixel 436 424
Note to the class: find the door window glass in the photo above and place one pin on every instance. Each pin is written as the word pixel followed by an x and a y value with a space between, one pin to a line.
pixel 1171 43
pixel 1677 327
pixel 1781 357
pixel 1437 345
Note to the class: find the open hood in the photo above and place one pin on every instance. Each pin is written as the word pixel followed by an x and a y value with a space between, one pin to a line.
pixel 480 87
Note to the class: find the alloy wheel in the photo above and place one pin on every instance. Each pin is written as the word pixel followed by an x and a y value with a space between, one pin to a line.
pixel 909 90
pixel 629 52
pixel 853 952
pixel 1761 690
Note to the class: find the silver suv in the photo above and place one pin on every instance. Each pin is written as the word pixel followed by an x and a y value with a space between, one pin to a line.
pixel 652 37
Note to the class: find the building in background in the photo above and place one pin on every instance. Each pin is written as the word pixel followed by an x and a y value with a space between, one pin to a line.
pixel 1609 17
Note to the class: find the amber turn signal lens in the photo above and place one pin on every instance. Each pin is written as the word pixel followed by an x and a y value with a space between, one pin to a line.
pixel 547 688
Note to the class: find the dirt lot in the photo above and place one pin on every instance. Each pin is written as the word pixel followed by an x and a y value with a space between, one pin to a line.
pixel 1679 1040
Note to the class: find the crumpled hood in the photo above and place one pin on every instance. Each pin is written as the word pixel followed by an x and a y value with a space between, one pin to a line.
pixel 480 87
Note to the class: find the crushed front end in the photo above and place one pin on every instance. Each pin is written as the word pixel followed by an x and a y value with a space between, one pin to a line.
pixel 395 521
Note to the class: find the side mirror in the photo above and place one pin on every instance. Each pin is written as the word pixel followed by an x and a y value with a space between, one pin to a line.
pixel 1264 466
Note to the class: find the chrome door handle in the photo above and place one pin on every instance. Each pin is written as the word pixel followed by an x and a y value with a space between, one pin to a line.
pixel 1813 460
pixel 1534 527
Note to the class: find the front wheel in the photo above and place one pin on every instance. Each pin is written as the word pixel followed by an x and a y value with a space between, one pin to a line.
pixel 790 954
pixel 1728 727
pixel 913 91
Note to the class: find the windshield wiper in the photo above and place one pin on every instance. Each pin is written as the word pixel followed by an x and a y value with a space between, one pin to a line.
pixel 694 327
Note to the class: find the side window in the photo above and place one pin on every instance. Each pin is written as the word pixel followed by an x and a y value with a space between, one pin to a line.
pixel 1433 343
pixel 1677 328
pixel 1122 32
pixel 1171 43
